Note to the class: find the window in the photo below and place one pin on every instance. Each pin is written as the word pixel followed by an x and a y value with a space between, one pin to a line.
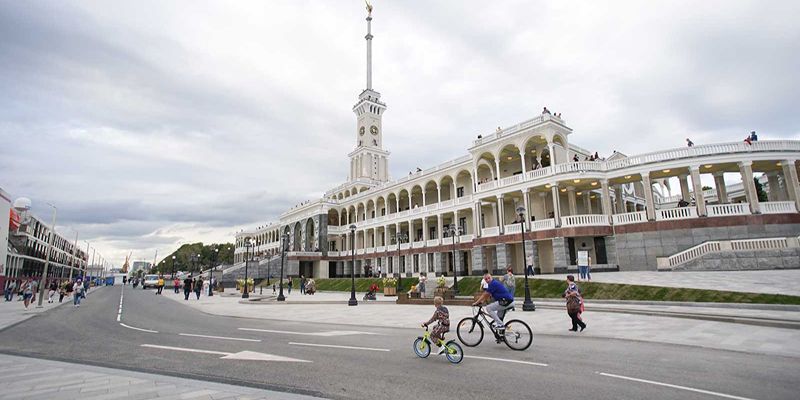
pixel 460 192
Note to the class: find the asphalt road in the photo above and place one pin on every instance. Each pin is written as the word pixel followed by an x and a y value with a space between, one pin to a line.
pixel 575 367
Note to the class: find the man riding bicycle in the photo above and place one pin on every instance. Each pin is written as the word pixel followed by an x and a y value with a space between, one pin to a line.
pixel 503 299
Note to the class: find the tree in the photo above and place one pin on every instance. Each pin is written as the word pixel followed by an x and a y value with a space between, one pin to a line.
pixel 183 257
pixel 762 195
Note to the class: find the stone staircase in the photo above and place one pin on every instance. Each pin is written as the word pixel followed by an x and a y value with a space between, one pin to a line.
pixel 736 255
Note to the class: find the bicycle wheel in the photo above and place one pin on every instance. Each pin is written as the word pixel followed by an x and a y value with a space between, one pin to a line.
pixel 470 332
pixel 454 352
pixel 518 335
pixel 422 348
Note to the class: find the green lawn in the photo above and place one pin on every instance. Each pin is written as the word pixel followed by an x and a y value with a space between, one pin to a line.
pixel 547 288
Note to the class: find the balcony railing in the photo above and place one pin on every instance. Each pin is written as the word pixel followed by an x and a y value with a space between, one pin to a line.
pixel 432 242
pixel 447 240
pixel 676 213
pixel 543 224
pixel 724 210
pixel 464 200
pixel 391 247
pixel 482 187
pixel 629 218
pixel 510 180
pixel 584 220
pixel 305 253
pixel 360 251
pixel 405 246
pixel 369 250
pixel 488 232
pixel 512 228
pixel 778 207
pixel 418 244
pixel 465 238
pixel 380 249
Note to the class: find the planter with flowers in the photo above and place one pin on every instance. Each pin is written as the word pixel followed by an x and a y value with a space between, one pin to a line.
pixel 389 286
pixel 250 285
pixel 442 290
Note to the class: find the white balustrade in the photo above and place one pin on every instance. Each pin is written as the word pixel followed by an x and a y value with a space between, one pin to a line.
pixel 380 249
pixel 512 228
pixel 405 246
pixel 464 200
pixel 759 244
pixel 391 247
pixel 778 207
pixel 510 180
pixel 629 218
pixel 676 213
pixel 333 254
pixel 417 210
pixel 359 251
pixel 447 240
pixel 580 166
pixel 692 253
pixel 369 250
pixel 402 214
pixel 543 224
pixel 584 220
pixel 432 242
pixel 538 173
pixel 724 210
pixel 432 207
pixel 446 203
pixel 482 187
pixel 418 244
pixel 465 238
pixel 488 232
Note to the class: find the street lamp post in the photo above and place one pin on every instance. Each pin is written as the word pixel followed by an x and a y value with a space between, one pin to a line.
pixel 284 246
pixel 247 245
pixel 528 304
pixel 215 254
pixel 47 259
pixel 455 231
pixel 400 238
pixel 353 301
pixel 173 268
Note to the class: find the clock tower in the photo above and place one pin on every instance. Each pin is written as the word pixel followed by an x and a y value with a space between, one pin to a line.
pixel 369 160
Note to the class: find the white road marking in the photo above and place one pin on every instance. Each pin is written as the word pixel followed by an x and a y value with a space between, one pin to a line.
pixel 323 334
pixel 727 396
pixel 155 346
pixel 337 346
pixel 506 360
pixel 220 337
pixel 138 329
pixel 242 355
pixel 121 293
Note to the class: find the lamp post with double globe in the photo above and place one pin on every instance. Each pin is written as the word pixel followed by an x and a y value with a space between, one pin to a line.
pixel 215 254
pixel 455 232
pixel 399 238
pixel 173 268
pixel 353 301
pixel 248 243
pixel 284 247
pixel 528 304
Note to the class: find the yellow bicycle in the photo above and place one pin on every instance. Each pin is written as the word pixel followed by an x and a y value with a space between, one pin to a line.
pixel 453 352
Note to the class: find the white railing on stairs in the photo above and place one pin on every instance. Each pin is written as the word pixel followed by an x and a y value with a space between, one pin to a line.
pixel 725 245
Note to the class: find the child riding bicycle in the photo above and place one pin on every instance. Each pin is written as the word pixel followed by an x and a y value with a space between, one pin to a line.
pixel 442 316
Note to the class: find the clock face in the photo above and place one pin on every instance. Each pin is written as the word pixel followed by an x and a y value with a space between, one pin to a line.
pixel 373 129
pixel 361 131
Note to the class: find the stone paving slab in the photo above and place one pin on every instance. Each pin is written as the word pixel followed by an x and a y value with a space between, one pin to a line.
pixel 98 383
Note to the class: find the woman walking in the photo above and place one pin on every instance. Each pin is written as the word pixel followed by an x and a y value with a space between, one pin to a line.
pixel 574 300
pixel 509 281
pixel 52 291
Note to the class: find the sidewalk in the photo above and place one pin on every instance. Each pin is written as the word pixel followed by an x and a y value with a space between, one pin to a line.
pixel 548 319
pixel 13 312
pixel 771 282
pixel 32 378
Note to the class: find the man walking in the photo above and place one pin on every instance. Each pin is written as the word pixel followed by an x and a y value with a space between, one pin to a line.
pixel 302 284
pixel 77 291
pixel 187 287
pixel 198 287
pixel 9 292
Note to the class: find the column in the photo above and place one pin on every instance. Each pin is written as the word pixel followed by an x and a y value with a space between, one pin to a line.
pixel 698 191
pixel 573 207
pixel 497 165
pixel 476 216
pixel 425 229
pixel 477 261
pixel 423 198
pixel 790 180
pixel 552 150
pixel 556 205
pixel 522 159
pixel 722 191
pixel 587 198
pixel 501 213
pixel 648 196
pixel 619 201
pixel 684 187
pixel 746 169
pixel 455 222
pixel 543 201
pixel 439 228
pixel 775 191
pixel 605 199
pixel 439 194
pixel 527 205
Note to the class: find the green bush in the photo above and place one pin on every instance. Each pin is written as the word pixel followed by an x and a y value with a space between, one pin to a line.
pixel 362 284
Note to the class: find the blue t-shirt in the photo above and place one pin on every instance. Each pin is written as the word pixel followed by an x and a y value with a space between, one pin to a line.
pixel 499 291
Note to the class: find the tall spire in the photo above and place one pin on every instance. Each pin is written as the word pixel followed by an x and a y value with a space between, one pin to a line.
pixel 369 45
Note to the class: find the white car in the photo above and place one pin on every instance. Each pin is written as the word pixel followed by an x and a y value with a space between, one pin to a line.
pixel 150 281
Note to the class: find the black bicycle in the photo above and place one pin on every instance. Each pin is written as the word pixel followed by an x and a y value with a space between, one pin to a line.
pixel 517 335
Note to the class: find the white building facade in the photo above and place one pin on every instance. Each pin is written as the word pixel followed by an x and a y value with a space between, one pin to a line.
pixel 470 214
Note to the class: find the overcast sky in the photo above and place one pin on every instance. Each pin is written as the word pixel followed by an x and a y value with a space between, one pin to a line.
pixel 154 123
